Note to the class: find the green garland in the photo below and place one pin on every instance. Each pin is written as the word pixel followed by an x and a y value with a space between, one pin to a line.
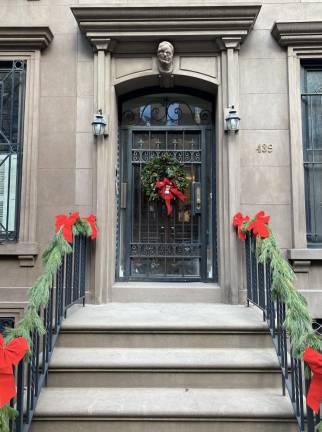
pixel 298 320
pixel 159 167
pixel 7 414
pixel 38 297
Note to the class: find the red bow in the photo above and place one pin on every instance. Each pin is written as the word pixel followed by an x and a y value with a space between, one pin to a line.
pixel 67 223
pixel 259 225
pixel 238 221
pixel 10 355
pixel 314 396
pixel 168 191
pixel 91 219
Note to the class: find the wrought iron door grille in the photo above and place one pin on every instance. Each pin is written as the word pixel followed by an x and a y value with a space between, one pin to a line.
pixel 163 245
pixel 12 89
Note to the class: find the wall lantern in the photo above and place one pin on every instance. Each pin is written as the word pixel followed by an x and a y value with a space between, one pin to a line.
pixel 99 124
pixel 232 120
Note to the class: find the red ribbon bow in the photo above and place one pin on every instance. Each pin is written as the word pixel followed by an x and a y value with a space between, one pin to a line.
pixel 259 225
pixel 67 223
pixel 238 221
pixel 168 190
pixel 314 360
pixel 91 219
pixel 10 355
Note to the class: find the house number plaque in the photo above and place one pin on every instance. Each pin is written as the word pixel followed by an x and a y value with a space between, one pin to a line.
pixel 264 148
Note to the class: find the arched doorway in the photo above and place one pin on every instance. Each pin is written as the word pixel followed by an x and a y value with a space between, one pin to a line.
pixel 151 244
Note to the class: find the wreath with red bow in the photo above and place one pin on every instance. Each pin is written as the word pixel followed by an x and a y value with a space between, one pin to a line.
pixel 164 178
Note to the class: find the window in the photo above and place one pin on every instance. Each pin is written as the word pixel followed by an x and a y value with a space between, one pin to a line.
pixel 312 150
pixel 12 90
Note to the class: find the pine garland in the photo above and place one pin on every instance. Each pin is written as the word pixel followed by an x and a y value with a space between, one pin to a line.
pixel 38 295
pixel 7 414
pixel 298 320
pixel 319 427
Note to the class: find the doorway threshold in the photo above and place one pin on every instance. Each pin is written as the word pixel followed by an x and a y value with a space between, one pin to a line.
pixel 166 292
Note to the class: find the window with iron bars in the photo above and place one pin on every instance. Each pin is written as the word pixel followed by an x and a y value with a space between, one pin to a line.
pixel 311 97
pixel 12 95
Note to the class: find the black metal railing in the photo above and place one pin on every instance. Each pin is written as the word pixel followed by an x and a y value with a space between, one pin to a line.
pixel 68 288
pixel 259 293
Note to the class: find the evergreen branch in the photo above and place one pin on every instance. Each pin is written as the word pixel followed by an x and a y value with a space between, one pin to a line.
pixel 7 414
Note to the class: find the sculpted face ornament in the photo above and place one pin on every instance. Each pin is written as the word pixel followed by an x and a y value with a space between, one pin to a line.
pixel 165 57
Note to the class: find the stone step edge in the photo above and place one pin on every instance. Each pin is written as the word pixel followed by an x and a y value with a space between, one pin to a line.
pixel 162 330
pixel 165 359
pixel 180 402
pixel 196 419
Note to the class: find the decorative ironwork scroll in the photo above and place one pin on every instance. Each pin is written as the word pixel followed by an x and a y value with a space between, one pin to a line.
pixel 166 111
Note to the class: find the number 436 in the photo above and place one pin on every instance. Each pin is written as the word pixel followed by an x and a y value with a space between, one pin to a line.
pixel 264 148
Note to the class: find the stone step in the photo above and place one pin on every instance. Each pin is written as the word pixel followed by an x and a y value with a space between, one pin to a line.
pixel 164 367
pixel 163 410
pixel 165 325
pixel 166 292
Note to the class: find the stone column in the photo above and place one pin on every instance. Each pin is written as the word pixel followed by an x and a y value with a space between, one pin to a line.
pixel 232 280
pixel 104 193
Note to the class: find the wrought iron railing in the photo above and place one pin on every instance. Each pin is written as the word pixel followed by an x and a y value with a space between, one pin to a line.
pixel 68 288
pixel 259 293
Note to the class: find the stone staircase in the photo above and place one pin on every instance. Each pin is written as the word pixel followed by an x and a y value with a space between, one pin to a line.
pixel 164 368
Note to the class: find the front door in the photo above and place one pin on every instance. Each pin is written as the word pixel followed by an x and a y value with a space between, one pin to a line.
pixel 153 245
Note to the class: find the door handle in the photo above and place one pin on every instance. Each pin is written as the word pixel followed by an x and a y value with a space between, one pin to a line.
pixel 123 195
pixel 196 197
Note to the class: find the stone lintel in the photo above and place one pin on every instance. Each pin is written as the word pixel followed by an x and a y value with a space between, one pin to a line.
pixel 7 249
pixel 304 254
pixel 25 252
pixel 175 23
pixel 298 33
pixel 19 38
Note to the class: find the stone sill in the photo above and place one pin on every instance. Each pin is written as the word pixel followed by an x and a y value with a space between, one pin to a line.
pixel 25 252
pixel 304 254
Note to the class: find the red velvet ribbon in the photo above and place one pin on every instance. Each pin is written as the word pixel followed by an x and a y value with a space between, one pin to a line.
pixel 91 219
pixel 314 360
pixel 10 355
pixel 259 225
pixel 168 190
pixel 66 223
pixel 238 221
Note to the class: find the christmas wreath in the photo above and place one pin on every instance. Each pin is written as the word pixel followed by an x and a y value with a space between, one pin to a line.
pixel 164 178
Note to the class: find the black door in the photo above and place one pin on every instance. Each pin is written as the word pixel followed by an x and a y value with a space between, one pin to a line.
pixel 153 245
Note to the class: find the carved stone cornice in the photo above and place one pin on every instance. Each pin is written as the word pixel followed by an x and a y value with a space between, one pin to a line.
pixel 202 23
pixel 20 38
pixel 299 33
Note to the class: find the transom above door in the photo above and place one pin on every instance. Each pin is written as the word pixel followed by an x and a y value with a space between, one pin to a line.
pixel 152 244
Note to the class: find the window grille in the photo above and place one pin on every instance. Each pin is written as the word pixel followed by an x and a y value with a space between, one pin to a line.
pixel 12 89
pixel 312 150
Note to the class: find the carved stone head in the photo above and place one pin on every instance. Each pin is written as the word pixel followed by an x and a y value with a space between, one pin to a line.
pixel 165 57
